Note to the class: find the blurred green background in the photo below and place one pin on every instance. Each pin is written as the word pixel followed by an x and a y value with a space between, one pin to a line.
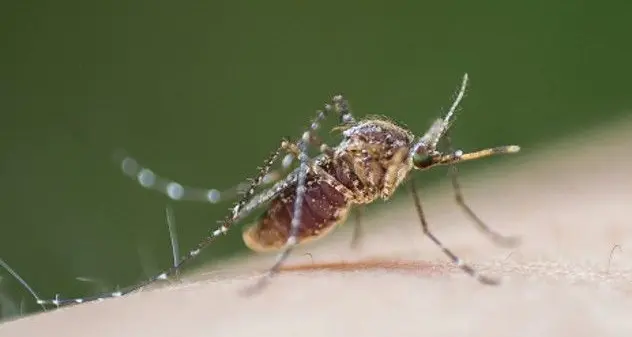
pixel 201 91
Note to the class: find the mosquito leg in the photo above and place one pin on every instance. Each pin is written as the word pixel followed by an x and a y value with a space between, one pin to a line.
pixel 173 236
pixel 148 179
pixel 296 216
pixel 21 280
pixel 455 259
pixel 177 191
pixel 497 238
pixel 358 232
pixel 301 150
pixel 341 106
pixel 236 214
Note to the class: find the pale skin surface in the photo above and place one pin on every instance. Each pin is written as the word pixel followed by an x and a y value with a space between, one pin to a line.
pixel 570 211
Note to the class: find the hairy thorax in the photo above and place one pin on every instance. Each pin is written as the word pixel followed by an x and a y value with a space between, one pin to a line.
pixel 372 160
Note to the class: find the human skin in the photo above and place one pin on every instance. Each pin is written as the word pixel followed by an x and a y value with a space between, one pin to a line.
pixel 568 202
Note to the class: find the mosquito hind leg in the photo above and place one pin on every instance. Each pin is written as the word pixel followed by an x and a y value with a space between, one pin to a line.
pixel 300 150
pixel 455 259
pixel 341 106
pixel 147 178
pixel 497 238
pixel 17 276
pixel 237 212
pixel 176 191
pixel 296 216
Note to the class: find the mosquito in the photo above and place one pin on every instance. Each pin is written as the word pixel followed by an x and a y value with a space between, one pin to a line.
pixel 374 157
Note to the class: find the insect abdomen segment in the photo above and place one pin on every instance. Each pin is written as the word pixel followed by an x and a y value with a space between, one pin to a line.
pixel 323 208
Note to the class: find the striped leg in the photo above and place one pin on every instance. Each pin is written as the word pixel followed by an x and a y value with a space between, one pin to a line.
pixel 177 191
pixel 455 259
pixel 340 105
pixel 235 215
pixel 148 179
pixel 346 117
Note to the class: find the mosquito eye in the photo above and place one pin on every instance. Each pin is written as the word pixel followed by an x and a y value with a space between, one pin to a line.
pixel 422 160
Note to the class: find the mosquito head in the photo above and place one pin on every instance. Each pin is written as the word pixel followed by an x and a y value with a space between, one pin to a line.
pixel 424 153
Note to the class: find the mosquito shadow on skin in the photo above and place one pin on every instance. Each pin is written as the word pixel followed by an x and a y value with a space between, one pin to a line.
pixel 421 268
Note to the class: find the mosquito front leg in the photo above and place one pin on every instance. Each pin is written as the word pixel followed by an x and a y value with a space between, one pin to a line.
pixel 455 259
pixel 497 238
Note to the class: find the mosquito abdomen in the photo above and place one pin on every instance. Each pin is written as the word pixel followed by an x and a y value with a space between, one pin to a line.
pixel 323 208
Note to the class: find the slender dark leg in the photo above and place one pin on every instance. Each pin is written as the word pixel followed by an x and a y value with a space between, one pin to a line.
pixel 455 259
pixel 358 232
pixel 497 238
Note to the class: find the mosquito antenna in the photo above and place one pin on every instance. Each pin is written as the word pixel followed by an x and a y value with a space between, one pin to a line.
pixel 26 285
pixel 436 131
pixel 457 101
